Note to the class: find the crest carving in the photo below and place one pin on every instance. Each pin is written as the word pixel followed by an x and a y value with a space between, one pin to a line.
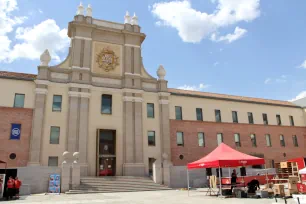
pixel 107 59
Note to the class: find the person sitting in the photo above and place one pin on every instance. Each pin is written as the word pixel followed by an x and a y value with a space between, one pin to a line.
pixel 253 186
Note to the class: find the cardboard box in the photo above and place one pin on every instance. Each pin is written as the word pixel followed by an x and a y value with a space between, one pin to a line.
pixel 283 165
pixel 279 189
pixel 289 192
pixel 293 179
pixel 292 186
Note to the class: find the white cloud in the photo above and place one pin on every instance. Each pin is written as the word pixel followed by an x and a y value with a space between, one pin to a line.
pixel 194 25
pixel 46 35
pixel 31 41
pixel 200 87
pixel 281 79
pixel 238 33
pixel 303 65
pixel 299 96
pixel 267 80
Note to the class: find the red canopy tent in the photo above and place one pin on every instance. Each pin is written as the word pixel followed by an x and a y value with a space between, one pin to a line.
pixel 224 156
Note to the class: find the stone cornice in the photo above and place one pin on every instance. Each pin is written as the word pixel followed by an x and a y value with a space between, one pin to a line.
pixel 132 99
pixel 41 91
pixel 42 82
pixel 79 94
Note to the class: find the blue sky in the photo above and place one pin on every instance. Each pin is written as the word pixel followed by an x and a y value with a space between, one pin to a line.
pixel 241 47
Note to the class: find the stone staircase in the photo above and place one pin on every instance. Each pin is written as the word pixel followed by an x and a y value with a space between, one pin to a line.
pixel 116 184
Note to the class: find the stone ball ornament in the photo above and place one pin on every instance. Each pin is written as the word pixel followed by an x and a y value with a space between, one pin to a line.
pixel 165 156
pixel 45 58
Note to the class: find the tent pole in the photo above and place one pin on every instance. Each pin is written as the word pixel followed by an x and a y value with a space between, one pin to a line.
pixel 267 179
pixel 188 180
pixel 220 181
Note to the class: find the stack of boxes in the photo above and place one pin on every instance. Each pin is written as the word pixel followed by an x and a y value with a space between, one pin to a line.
pixel 279 189
pixel 292 185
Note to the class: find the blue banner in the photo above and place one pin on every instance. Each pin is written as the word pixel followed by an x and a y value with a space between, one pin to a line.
pixel 54 183
pixel 15 132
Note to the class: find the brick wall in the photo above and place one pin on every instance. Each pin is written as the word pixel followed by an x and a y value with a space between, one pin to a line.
pixel 20 147
pixel 192 152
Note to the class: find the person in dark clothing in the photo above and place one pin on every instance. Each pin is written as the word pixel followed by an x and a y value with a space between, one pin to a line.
pixel 10 188
pixel 253 186
pixel 233 179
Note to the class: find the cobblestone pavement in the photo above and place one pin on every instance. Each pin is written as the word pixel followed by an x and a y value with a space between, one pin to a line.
pixel 156 197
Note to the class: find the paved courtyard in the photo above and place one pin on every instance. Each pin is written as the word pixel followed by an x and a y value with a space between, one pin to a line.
pixel 156 197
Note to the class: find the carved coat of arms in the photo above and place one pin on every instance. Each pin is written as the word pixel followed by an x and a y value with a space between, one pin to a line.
pixel 107 59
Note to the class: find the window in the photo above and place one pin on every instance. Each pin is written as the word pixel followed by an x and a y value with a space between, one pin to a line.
pixel 295 141
pixel 282 140
pixel 151 138
pixel 250 116
pixel 150 110
pixel 265 118
pixel 218 115
pixel 237 140
pixel 106 104
pixel 53 161
pixel 253 140
pixel 180 139
pixel 178 113
pixel 278 120
pixel 268 140
pixel 199 114
pixel 219 138
pixel 54 135
pixel 57 103
pixel 291 120
pixel 235 116
pixel 201 139
pixel 19 101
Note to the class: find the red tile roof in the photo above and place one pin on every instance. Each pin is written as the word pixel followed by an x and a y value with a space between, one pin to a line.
pixel 16 75
pixel 230 97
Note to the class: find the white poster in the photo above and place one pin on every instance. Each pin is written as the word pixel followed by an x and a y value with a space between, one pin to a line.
pixel 2 182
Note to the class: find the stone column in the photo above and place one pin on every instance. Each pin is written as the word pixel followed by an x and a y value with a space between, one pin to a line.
pixel 76 172
pixel 37 124
pixel 66 172
pixel 72 144
pixel 83 134
pixel 157 171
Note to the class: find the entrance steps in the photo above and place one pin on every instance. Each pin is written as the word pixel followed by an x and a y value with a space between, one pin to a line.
pixel 114 184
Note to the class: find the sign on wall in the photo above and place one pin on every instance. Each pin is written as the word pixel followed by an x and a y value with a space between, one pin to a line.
pixel 15 131
pixel 54 183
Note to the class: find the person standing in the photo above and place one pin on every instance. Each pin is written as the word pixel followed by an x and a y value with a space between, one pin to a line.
pixel 233 179
pixel 17 187
pixel 10 188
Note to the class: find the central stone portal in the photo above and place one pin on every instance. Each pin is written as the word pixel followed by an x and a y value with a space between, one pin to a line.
pixel 106 152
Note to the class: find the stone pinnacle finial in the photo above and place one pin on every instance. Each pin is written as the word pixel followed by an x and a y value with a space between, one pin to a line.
pixel 134 20
pixel 89 11
pixel 45 58
pixel 80 10
pixel 161 72
pixel 127 18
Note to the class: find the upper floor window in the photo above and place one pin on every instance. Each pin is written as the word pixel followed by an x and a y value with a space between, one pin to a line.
pixel 151 138
pixel 235 116
pixel 106 104
pixel 57 103
pixel 268 140
pixel 54 135
pixel 178 113
pixel 265 118
pixel 237 140
pixel 250 117
pixel 150 110
pixel 253 140
pixel 278 120
pixel 201 139
pixel 218 115
pixel 219 138
pixel 291 120
pixel 19 101
pixel 282 140
pixel 180 139
pixel 199 114
pixel 295 141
